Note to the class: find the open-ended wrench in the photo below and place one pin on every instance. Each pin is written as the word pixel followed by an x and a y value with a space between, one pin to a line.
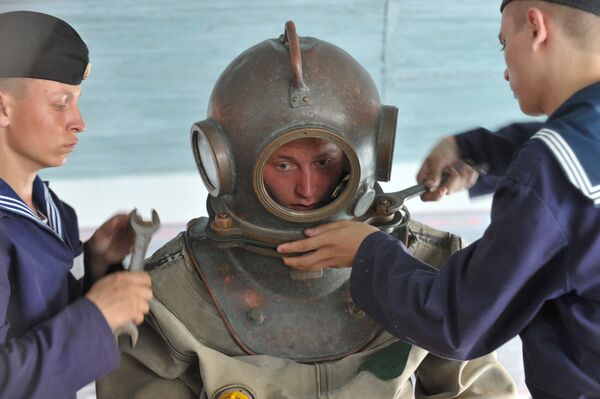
pixel 391 202
pixel 143 231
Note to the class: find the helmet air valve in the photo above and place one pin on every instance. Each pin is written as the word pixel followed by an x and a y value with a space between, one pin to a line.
pixel 299 92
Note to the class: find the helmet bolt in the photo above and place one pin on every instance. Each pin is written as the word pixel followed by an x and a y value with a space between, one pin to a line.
pixel 257 316
pixel 355 311
pixel 305 99
pixel 381 207
pixel 295 99
pixel 223 221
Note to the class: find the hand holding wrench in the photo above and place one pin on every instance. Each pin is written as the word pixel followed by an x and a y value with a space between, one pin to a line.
pixel 143 231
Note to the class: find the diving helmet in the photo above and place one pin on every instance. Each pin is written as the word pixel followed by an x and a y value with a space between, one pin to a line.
pixel 274 93
pixel 282 99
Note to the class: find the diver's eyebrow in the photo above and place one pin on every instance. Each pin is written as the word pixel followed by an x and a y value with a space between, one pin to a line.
pixel 326 153
pixel 281 158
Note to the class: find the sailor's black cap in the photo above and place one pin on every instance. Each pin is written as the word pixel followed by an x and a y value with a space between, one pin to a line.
pixel 592 6
pixel 36 45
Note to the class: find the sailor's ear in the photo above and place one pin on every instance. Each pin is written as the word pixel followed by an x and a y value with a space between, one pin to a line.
pixel 4 119
pixel 538 26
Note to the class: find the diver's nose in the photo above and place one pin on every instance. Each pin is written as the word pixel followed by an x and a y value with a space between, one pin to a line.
pixel 305 186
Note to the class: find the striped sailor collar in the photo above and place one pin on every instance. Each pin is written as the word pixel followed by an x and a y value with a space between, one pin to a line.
pixel 572 133
pixel 11 202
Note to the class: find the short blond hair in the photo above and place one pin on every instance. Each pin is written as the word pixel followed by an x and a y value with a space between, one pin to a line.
pixel 14 86
pixel 582 27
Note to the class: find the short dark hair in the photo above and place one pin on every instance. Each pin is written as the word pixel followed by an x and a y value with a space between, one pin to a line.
pixel 581 26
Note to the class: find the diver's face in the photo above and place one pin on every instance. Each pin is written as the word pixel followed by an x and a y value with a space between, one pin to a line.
pixel 303 174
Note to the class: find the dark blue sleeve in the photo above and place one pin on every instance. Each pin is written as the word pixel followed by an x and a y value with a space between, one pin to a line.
pixel 493 151
pixel 58 356
pixel 82 286
pixel 484 295
pixel 87 282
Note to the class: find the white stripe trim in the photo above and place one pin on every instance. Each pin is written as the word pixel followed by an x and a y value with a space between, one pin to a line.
pixel 15 201
pixel 53 214
pixel 12 204
pixel 568 160
pixel 20 212
pixel 20 208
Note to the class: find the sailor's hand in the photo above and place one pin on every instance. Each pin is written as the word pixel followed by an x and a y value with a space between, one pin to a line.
pixel 445 159
pixel 110 244
pixel 122 297
pixel 329 245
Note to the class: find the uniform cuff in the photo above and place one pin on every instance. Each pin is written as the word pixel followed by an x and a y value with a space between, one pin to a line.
pixel 363 273
pixel 465 144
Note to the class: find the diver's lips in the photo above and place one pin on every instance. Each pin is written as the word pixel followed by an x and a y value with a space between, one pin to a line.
pixel 300 207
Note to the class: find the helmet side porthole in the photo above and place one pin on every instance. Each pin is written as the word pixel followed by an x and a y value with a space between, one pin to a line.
pixel 212 157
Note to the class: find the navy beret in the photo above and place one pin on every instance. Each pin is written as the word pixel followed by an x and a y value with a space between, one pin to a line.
pixel 592 6
pixel 36 45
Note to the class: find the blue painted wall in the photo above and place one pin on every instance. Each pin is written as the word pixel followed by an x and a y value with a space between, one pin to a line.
pixel 155 62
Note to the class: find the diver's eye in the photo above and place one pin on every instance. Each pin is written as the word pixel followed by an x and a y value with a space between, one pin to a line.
pixel 323 162
pixel 284 166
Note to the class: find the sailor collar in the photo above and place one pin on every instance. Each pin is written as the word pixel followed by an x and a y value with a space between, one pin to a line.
pixel 572 133
pixel 11 202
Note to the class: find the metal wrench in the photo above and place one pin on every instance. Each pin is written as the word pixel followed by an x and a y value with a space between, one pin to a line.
pixel 391 202
pixel 143 231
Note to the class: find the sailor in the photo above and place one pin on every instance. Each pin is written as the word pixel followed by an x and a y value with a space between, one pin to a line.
pixel 53 338
pixel 535 270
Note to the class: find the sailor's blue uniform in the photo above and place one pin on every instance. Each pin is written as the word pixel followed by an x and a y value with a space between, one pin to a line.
pixel 535 272
pixel 53 341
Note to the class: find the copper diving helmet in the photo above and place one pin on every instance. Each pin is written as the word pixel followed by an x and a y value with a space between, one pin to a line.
pixel 276 92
